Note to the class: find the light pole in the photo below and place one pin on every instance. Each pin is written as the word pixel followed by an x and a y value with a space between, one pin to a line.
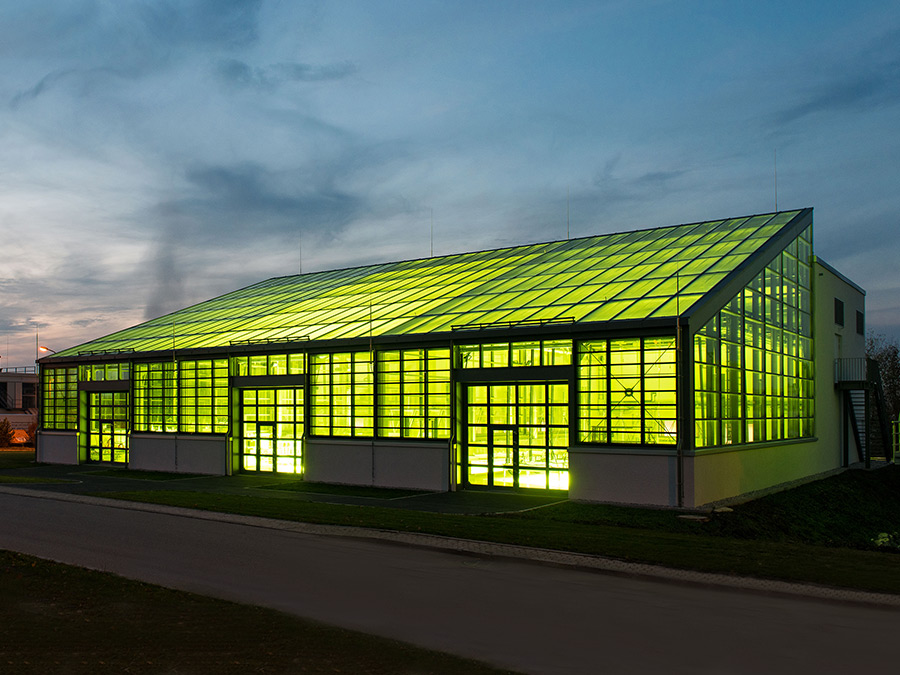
pixel 47 349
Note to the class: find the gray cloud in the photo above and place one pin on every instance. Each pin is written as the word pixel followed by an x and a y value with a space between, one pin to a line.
pixel 868 79
pixel 272 200
pixel 80 82
pixel 240 74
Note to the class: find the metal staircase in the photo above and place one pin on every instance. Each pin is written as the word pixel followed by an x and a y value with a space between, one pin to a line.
pixel 865 408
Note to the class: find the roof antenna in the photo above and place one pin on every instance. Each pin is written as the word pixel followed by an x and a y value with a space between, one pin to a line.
pixel 776 179
pixel 300 251
pixel 432 233
pixel 567 214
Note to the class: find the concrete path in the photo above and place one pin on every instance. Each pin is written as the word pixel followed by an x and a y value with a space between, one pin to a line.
pixel 534 618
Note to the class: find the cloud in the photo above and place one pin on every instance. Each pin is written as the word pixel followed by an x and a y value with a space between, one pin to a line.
pixel 248 197
pixel 866 80
pixel 240 74
pixel 81 81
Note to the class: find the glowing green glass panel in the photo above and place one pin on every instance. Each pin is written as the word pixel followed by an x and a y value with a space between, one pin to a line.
pixel 753 375
pixel 59 398
pixel 542 281
pixel 627 391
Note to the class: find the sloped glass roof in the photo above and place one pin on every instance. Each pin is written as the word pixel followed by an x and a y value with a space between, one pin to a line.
pixel 642 274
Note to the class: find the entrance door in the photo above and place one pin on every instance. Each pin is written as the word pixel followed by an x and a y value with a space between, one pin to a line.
pixel 517 436
pixel 108 425
pixel 272 430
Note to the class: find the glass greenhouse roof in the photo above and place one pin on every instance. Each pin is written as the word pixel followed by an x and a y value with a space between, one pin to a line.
pixel 654 273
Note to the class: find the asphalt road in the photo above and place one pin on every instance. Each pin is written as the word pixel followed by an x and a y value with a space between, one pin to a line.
pixel 528 617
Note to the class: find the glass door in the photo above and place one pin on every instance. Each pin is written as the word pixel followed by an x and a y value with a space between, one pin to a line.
pixel 517 436
pixel 108 425
pixel 272 430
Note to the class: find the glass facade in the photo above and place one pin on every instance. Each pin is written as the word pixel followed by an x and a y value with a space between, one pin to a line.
pixel 59 398
pixel 627 391
pixel 414 393
pixel 342 394
pixel 753 362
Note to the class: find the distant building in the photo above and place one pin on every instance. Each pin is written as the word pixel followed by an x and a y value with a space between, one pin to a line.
pixel 18 398
pixel 671 366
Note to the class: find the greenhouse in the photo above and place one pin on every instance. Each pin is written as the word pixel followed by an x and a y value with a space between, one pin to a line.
pixel 675 366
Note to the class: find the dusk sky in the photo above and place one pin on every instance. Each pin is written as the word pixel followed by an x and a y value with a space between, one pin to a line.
pixel 154 154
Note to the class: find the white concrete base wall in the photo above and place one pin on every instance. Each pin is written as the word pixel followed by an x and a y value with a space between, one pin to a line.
pixel 57 447
pixel 414 466
pixel 711 477
pixel 623 478
pixel 182 454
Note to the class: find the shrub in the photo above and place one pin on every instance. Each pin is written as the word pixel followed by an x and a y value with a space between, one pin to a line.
pixel 6 433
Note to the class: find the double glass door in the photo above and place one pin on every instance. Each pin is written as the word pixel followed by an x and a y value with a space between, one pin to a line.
pixel 272 430
pixel 517 436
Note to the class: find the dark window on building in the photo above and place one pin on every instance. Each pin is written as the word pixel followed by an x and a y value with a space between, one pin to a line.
pixel 4 402
pixel 839 312
pixel 860 323
pixel 29 395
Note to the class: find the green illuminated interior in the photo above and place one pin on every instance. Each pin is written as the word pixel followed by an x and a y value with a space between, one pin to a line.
pixel 100 372
pixel 753 362
pixel 627 391
pixel 517 435
pixel 155 399
pixel 59 398
pixel 414 393
pixel 184 396
pixel 271 364
pixel 516 354
pixel 630 275
pixel 107 419
pixel 342 394
pixel 272 430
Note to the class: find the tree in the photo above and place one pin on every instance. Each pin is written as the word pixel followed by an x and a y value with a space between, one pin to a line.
pixel 6 433
pixel 886 352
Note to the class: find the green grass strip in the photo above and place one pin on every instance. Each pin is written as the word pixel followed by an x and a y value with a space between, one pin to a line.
pixel 62 619
pixel 840 567
pixel 348 490
pixel 144 475
pixel 31 479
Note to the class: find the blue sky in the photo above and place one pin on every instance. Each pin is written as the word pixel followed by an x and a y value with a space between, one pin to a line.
pixel 155 154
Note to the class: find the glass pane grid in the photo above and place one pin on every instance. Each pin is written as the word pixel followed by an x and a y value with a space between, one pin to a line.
pixel 753 368
pixel 435 294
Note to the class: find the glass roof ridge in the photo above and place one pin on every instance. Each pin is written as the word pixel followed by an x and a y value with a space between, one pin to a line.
pixel 638 231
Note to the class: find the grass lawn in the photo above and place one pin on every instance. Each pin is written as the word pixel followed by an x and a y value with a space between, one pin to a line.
pixel 144 475
pixel 823 532
pixel 62 619
pixel 19 459
pixel 16 459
